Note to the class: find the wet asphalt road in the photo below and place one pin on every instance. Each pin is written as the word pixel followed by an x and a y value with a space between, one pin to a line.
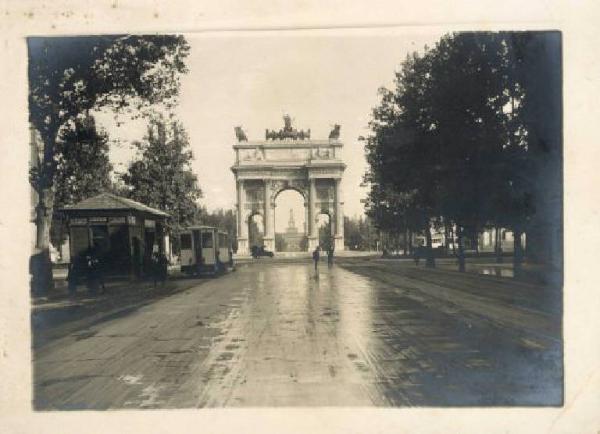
pixel 275 334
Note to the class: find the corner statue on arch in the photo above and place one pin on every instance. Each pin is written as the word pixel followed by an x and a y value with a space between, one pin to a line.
pixel 289 159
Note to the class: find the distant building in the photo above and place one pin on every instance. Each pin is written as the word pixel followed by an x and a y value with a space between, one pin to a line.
pixel 292 239
pixel 486 240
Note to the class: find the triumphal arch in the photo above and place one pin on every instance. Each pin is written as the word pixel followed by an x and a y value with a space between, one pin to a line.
pixel 289 159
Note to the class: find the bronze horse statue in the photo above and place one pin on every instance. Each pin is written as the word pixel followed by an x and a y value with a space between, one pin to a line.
pixel 239 133
pixel 281 134
pixel 288 132
pixel 335 133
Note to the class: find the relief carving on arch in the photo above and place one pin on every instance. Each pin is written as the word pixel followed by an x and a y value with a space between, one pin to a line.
pixel 253 154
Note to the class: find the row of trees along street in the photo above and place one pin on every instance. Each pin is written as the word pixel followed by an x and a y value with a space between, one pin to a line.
pixel 470 137
pixel 160 177
pixel 69 78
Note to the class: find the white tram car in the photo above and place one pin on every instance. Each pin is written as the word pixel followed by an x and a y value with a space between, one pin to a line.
pixel 205 250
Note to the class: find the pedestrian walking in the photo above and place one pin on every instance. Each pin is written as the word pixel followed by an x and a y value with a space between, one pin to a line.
pixel 159 268
pixel 77 268
pixel 330 256
pixel 316 256
pixel 417 255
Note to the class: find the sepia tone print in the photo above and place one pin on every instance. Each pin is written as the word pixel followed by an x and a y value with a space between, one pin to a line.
pixel 312 220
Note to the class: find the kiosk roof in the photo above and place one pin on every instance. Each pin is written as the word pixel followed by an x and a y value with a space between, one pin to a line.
pixel 108 201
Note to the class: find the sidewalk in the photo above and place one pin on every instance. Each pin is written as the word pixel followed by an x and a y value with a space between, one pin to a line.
pixel 487 265
pixel 115 286
pixel 59 314
pixel 530 308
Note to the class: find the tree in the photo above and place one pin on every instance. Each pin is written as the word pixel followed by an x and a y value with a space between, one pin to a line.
pixel 162 177
pixel 458 140
pixel 70 76
pixel 352 235
pixel 83 169
pixel 467 100
pixel 402 150
pixel 394 214
pixel 359 234
pixel 537 81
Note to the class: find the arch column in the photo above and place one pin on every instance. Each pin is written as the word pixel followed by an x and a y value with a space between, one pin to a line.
pixel 339 217
pixel 241 220
pixel 269 236
pixel 313 236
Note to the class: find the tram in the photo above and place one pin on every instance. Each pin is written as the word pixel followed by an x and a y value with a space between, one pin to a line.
pixel 205 250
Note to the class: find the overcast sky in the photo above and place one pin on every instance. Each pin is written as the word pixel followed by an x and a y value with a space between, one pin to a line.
pixel 252 78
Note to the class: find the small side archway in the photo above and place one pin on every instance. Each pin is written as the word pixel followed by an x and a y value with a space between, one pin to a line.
pixel 325 230
pixel 256 229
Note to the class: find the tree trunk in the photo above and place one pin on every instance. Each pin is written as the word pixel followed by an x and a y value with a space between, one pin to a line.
pixel 430 261
pixel 498 245
pixel 461 250
pixel 406 231
pixel 446 237
pixel 517 253
pixel 410 246
pixel 476 241
pixel 40 266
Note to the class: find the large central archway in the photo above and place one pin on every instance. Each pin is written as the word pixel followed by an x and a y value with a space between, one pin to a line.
pixel 290 215
pixel 289 160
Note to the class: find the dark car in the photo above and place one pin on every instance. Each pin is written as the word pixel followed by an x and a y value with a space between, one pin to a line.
pixel 258 251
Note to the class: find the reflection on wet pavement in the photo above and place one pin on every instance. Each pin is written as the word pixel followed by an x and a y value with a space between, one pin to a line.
pixel 497 271
pixel 274 334
pixel 342 339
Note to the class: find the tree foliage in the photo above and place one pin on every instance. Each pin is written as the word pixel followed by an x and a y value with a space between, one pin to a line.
pixel 83 169
pixel 83 166
pixel 359 234
pixel 162 177
pixel 451 144
pixel 70 76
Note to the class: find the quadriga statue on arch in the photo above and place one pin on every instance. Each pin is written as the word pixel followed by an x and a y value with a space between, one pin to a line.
pixel 287 132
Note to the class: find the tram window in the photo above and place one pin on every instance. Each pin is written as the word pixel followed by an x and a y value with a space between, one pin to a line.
pixel 186 241
pixel 207 240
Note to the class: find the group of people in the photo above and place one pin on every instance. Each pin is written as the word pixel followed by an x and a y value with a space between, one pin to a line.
pixel 90 268
pixel 316 255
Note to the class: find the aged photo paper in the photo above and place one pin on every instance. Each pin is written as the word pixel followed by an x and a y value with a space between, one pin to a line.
pixel 299 217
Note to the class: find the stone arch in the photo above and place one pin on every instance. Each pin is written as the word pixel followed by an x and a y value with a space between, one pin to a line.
pixel 279 186
pixel 264 169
